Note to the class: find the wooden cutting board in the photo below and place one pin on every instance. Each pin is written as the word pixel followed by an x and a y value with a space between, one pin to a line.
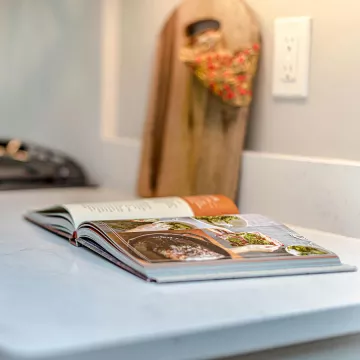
pixel 193 141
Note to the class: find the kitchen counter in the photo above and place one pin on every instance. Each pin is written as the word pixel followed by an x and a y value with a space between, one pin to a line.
pixel 62 302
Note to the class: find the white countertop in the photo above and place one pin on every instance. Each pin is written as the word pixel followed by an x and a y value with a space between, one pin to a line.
pixel 57 300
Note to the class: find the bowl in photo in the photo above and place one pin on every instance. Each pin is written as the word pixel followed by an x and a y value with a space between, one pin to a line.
pixel 164 226
pixel 223 220
pixel 251 241
pixel 175 247
pixel 303 250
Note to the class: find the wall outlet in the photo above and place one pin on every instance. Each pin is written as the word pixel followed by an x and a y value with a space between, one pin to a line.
pixel 289 62
pixel 292 42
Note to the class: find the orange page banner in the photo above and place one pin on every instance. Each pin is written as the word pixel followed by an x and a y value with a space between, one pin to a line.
pixel 210 205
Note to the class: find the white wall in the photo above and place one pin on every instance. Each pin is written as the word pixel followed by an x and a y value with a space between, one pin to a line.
pixel 75 75
pixel 141 21
pixel 327 123
pixel 49 74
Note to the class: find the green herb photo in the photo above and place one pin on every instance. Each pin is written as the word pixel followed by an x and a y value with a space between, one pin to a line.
pixel 307 250
pixel 217 219
pixel 178 226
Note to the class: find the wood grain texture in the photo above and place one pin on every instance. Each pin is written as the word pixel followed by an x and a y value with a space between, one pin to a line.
pixel 192 140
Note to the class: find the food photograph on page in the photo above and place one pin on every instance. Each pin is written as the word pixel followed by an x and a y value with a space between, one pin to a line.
pixel 152 224
pixel 154 246
pixel 178 223
pixel 223 220
pixel 236 220
pixel 265 241
pixel 180 239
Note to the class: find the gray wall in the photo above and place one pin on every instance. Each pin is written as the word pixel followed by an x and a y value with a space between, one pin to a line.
pixel 51 78
pixel 49 74
pixel 327 124
pixel 140 23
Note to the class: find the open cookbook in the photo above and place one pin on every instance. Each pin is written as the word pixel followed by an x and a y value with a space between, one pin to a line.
pixel 190 238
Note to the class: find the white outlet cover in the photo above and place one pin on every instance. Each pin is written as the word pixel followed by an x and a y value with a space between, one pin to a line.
pixel 291 61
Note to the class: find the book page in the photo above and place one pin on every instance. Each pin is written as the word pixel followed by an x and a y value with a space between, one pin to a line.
pixel 151 208
pixel 210 238
pixel 124 210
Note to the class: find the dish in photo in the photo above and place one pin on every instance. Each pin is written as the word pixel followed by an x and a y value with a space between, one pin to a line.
pixel 164 225
pixel 149 225
pixel 251 241
pixel 227 221
pixel 154 246
pixel 301 250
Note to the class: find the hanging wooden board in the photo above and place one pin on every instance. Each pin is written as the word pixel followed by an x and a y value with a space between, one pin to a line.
pixel 193 140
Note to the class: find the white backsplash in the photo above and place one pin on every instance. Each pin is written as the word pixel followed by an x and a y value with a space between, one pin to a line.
pixel 317 193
